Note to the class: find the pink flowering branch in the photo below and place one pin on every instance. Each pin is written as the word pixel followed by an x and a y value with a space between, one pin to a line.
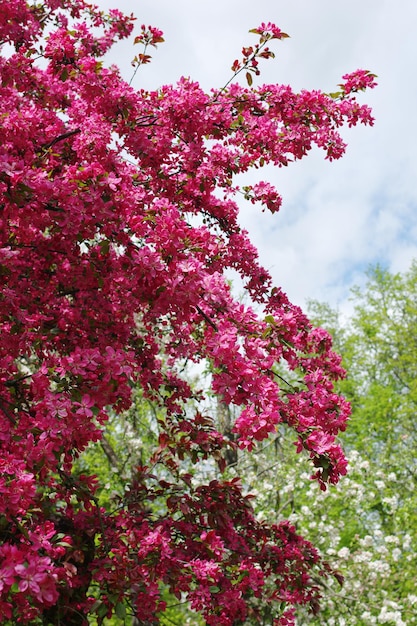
pixel 251 54
pixel 150 36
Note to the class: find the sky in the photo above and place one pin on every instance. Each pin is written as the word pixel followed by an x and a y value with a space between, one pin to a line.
pixel 337 218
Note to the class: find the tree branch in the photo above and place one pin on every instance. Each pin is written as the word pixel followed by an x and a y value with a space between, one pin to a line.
pixel 66 135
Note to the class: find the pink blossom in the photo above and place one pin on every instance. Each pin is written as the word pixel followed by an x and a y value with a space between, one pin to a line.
pixel 35 578
pixel 270 30
pixel 358 81
pixel 85 406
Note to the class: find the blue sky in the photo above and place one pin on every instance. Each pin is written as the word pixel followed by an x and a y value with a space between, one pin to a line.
pixel 337 218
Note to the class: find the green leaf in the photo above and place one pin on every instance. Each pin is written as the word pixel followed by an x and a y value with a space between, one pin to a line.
pixel 120 610
pixel 102 610
pixel 105 246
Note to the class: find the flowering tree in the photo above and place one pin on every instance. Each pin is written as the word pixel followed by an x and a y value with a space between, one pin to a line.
pixel 118 222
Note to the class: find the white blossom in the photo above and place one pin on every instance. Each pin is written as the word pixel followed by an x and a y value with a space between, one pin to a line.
pixel 385 617
pixel 396 553
pixel 343 553
pixel 392 539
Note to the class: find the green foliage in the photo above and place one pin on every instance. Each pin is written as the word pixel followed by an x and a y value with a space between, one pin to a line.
pixel 379 346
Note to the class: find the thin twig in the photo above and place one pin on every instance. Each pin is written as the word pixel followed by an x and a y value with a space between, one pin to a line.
pixel 66 135
pixel 6 412
pixel 206 317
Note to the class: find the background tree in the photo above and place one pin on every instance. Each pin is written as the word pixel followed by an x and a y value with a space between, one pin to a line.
pixel 118 224
pixel 366 525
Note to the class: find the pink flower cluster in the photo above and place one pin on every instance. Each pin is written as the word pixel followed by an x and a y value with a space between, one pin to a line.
pixel 149 36
pixel 269 31
pixel 358 81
